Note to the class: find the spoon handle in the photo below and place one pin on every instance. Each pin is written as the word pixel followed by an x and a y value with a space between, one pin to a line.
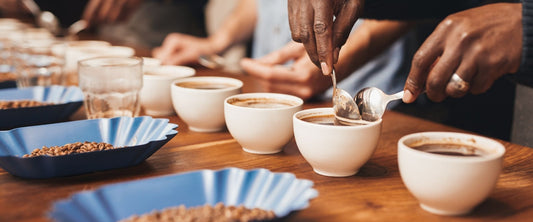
pixel 334 80
pixel 395 96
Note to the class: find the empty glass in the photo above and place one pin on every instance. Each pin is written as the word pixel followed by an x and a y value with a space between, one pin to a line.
pixel 111 86
pixel 39 62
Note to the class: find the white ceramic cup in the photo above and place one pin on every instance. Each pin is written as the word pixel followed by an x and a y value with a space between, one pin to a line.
pixel 149 62
pixel 445 184
pixel 199 101
pixel 261 122
pixel 155 94
pixel 336 151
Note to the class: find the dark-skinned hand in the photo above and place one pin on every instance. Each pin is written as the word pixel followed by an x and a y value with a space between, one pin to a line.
pixel 480 45
pixel 312 23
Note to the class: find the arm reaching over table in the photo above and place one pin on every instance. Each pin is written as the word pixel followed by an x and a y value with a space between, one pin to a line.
pixel 181 49
pixel 109 11
pixel 303 79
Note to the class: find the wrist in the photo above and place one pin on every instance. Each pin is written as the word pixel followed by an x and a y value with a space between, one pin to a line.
pixel 218 43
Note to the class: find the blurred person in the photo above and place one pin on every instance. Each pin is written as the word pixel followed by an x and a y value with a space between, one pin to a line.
pixel 283 66
pixel 143 23
pixel 13 9
pixel 472 47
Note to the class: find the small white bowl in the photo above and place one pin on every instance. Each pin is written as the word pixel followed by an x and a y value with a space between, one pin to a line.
pixel 149 62
pixel 261 122
pixel 201 104
pixel 155 94
pixel 336 151
pixel 445 184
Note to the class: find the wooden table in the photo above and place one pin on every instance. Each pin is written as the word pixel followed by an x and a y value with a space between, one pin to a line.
pixel 376 193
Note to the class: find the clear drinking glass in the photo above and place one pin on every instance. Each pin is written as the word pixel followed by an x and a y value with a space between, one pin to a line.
pixel 111 86
pixel 39 62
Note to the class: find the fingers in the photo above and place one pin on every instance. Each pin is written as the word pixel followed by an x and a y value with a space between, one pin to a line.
pixel 459 83
pixel 425 58
pixel 89 13
pixel 170 45
pixel 274 73
pixel 105 9
pixel 295 11
pixel 440 75
pixel 289 52
pixel 323 28
pixel 117 11
pixel 344 21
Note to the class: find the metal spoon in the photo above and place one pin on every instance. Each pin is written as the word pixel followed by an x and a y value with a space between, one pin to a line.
pixel 344 107
pixel 212 61
pixel 44 19
pixel 372 102
pixel 77 27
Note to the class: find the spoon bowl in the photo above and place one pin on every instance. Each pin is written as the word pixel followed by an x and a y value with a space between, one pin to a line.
pixel 212 61
pixel 372 102
pixel 344 107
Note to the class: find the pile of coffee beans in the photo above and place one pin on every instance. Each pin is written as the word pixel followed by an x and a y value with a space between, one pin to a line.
pixel 21 103
pixel 218 213
pixel 70 148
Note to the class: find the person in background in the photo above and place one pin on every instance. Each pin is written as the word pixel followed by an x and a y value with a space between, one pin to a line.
pixel 142 23
pixel 471 48
pixel 145 22
pixel 280 63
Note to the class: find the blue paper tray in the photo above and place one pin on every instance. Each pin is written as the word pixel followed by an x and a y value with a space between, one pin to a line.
pixel 67 100
pixel 279 192
pixel 140 137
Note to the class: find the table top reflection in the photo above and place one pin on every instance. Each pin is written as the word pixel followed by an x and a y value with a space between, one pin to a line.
pixel 376 193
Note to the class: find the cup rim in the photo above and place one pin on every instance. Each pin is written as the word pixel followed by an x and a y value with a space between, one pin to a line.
pixel 181 72
pixel 88 62
pixel 236 83
pixel 298 101
pixel 499 148
pixel 329 110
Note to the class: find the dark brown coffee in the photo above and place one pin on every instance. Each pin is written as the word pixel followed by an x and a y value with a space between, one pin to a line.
pixel 326 120
pixel 204 85
pixel 322 119
pixel 449 149
pixel 261 102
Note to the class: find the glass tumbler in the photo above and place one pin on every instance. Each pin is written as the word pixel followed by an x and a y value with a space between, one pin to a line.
pixel 39 62
pixel 111 86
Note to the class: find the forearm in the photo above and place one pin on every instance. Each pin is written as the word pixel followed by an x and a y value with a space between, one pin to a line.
pixel 237 28
pixel 367 41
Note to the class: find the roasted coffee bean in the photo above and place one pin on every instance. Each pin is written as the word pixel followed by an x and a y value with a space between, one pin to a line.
pixel 70 148
pixel 21 103
pixel 218 213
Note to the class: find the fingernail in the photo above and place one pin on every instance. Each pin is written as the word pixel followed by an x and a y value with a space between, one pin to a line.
pixel 324 67
pixel 407 96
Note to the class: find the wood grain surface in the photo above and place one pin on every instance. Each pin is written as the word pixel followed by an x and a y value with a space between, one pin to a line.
pixel 376 193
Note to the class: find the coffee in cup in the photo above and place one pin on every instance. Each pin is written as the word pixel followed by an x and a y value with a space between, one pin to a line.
pixel 261 122
pixel 449 173
pixel 199 101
